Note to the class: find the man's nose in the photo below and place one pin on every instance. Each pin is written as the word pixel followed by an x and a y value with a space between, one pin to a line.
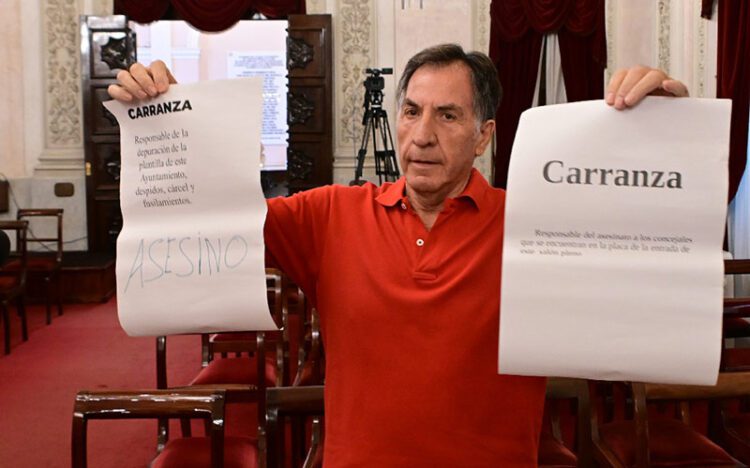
pixel 424 131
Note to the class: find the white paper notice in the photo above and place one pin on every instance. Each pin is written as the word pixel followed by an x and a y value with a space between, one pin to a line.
pixel 612 261
pixel 190 257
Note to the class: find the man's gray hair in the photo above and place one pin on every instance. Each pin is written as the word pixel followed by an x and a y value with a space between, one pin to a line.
pixel 486 88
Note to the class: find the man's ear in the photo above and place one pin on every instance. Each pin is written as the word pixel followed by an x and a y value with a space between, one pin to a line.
pixel 486 130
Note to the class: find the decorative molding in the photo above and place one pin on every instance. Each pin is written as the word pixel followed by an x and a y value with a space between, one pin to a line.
pixel 700 60
pixel 664 34
pixel 354 44
pixel 60 162
pixel 481 38
pixel 299 164
pixel 315 7
pixel 62 74
pixel 114 225
pixel 110 117
pixel 300 108
pixel 482 25
pixel 115 53
pixel 611 32
pixel 112 167
pixel 299 53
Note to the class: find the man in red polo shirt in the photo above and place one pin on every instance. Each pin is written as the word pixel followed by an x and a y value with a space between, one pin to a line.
pixel 406 278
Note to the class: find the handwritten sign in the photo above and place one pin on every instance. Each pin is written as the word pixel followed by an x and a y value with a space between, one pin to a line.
pixel 190 256
pixel 612 260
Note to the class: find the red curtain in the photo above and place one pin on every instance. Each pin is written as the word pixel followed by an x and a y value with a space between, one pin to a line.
pixel 517 30
pixel 733 81
pixel 207 15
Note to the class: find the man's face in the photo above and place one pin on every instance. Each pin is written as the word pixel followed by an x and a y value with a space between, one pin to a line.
pixel 437 131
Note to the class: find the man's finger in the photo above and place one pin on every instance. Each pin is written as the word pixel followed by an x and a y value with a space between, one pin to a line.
pixel 119 93
pixel 614 85
pixel 130 85
pixel 144 79
pixel 161 76
pixel 648 83
pixel 675 88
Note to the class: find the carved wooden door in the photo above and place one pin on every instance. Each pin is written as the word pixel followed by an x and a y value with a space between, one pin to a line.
pixel 310 102
pixel 107 46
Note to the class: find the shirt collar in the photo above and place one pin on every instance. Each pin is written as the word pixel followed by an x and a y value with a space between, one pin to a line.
pixel 475 191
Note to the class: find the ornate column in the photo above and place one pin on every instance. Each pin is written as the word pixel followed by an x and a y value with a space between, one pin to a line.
pixel 481 42
pixel 63 151
pixel 354 46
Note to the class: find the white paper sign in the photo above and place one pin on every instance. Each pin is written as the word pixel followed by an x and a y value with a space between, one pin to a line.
pixel 190 256
pixel 612 261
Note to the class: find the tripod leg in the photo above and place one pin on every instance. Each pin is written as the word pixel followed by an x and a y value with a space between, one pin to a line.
pixel 378 166
pixel 391 164
pixel 362 153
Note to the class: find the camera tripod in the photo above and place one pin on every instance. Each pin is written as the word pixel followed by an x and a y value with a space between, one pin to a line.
pixel 375 121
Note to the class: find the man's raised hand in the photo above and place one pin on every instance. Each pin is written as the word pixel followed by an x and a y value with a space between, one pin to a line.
pixel 141 82
pixel 629 86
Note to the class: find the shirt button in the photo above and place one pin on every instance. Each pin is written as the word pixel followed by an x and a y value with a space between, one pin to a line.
pixel 403 205
pixel 420 242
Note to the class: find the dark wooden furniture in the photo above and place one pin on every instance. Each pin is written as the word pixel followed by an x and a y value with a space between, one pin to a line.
pixel 45 264
pixel 255 362
pixel 562 395
pixel 108 45
pixel 293 402
pixel 310 102
pixel 647 440
pixel 13 281
pixel 214 450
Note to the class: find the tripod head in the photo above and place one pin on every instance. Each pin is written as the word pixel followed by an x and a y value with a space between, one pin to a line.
pixel 374 84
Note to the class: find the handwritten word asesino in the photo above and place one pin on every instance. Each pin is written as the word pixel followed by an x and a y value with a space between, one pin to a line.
pixel 185 256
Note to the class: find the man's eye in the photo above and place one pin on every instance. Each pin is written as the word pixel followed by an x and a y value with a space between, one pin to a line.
pixel 410 111
pixel 449 117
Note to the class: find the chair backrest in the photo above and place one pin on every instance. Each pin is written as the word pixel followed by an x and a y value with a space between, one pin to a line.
pixel 282 402
pixel 728 385
pixel 56 237
pixel 149 404
pixel 565 390
pixel 20 228
pixel 255 342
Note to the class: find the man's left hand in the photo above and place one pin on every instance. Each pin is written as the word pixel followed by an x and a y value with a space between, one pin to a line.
pixel 630 85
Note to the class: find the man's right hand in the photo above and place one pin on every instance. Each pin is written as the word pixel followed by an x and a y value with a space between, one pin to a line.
pixel 141 82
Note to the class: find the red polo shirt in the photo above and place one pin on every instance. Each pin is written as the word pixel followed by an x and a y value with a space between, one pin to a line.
pixel 410 326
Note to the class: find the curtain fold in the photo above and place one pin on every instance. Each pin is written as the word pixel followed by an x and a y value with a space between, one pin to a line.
pixel 733 81
pixel 516 33
pixel 207 15
pixel 517 65
pixel 143 11
pixel 212 15
pixel 584 56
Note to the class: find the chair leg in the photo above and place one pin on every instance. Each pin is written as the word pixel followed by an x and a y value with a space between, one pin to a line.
pixel 48 299
pixel 58 280
pixel 6 326
pixel 22 315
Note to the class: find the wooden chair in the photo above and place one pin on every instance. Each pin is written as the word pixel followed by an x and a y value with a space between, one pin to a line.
pixel 648 441
pixel 294 402
pixel 562 394
pixel 13 281
pixel 215 450
pixel 47 263
pixel 254 366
